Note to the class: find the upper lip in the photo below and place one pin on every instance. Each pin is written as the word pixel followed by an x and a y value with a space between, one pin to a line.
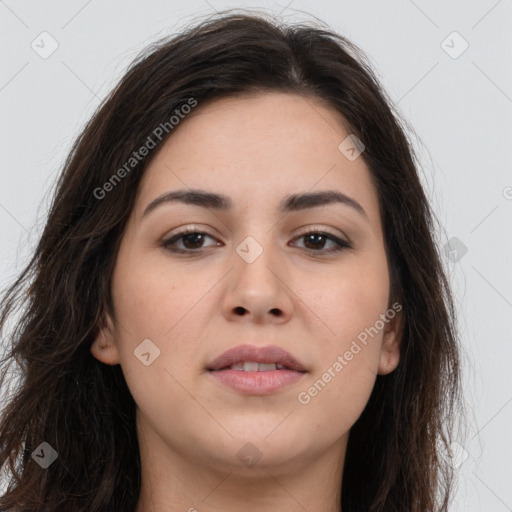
pixel 244 353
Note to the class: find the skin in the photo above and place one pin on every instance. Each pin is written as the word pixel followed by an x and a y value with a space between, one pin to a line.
pixel 296 294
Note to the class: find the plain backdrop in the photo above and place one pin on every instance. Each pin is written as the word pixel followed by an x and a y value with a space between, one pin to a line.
pixel 446 65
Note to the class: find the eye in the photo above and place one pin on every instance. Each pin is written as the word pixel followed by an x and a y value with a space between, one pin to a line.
pixel 316 241
pixel 191 240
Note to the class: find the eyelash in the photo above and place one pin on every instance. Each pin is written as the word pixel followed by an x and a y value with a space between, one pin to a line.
pixel 340 244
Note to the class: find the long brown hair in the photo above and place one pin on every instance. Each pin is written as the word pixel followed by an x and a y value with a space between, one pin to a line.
pixel 83 408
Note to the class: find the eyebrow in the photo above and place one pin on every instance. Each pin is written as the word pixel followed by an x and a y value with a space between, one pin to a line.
pixel 290 203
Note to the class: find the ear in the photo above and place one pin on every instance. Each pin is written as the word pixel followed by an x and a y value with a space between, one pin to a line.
pixel 104 347
pixel 390 348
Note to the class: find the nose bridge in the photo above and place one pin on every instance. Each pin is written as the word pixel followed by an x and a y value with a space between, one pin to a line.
pixel 257 286
pixel 256 258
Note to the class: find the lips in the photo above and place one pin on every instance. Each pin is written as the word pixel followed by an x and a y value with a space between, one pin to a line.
pixel 252 354
pixel 251 370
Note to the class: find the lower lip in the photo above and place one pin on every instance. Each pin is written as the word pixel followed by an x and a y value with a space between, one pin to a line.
pixel 257 383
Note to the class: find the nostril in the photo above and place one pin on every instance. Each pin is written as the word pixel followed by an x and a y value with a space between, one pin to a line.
pixel 239 310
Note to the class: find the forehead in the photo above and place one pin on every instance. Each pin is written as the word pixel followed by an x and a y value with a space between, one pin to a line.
pixel 259 148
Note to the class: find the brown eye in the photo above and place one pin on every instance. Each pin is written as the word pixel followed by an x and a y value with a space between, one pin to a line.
pixel 315 241
pixel 191 241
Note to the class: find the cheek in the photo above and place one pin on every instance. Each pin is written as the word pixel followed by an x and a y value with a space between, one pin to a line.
pixel 150 300
pixel 153 314
pixel 352 301
pixel 349 352
pixel 169 309
pixel 337 398
pixel 349 356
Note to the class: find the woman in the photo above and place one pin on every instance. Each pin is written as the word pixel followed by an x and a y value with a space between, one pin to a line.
pixel 237 299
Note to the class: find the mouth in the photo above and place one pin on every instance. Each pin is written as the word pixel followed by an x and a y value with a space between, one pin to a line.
pixel 253 366
pixel 253 370
pixel 252 358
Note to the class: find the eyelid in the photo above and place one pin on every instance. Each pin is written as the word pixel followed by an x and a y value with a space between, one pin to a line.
pixel 183 231
pixel 322 229
pixel 192 228
pixel 189 228
pixel 342 241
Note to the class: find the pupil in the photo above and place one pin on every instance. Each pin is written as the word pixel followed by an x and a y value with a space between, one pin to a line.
pixel 316 239
pixel 196 239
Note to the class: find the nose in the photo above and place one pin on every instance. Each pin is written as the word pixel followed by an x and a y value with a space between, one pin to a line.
pixel 258 290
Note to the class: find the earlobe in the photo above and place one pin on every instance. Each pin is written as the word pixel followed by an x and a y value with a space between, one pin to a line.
pixel 388 361
pixel 104 346
pixel 390 348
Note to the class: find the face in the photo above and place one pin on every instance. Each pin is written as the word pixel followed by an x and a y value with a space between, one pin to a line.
pixel 310 277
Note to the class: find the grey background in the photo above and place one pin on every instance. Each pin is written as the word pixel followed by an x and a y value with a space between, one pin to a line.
pixel 460 109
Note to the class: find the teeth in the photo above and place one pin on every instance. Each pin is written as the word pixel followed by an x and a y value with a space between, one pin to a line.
pixel 251 366
pixel 265 367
